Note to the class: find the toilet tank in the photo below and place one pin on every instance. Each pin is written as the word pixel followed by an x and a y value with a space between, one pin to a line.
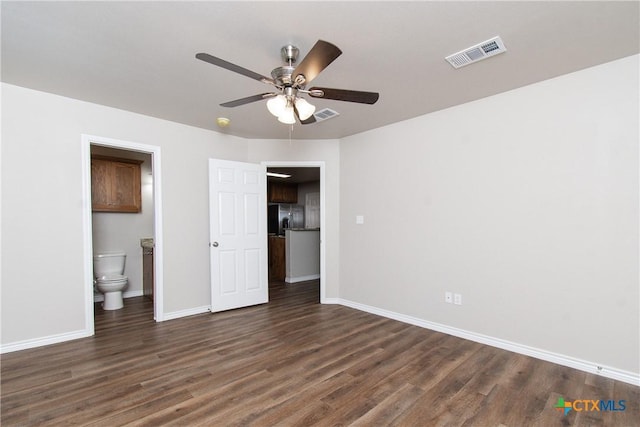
pixel 108 264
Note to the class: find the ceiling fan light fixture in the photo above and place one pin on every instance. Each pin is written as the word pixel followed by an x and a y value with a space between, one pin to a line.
pixel 277 105
pixel 305 110
pixel 287 117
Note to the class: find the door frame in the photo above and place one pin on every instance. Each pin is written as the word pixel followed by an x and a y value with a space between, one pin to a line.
pixel 87 226
pixel 323 228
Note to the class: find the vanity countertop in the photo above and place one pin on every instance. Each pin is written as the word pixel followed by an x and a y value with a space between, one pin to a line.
pixel 147 243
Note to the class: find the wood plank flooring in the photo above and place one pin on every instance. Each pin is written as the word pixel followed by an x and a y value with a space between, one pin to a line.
pixel 292 362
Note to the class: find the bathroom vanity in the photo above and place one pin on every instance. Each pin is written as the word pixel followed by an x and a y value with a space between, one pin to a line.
pixel 147 267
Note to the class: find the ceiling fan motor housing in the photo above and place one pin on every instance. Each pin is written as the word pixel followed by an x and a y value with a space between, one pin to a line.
pixel 282 75
pixel 289 54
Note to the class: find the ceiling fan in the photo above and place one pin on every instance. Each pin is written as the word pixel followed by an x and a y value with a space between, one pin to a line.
pixel 290 82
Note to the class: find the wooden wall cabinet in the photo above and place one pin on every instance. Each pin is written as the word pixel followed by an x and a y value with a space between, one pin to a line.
pixel 280 192
pixel 115 185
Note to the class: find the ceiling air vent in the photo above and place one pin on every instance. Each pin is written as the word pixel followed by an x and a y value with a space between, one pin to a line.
pixel 476 53
pixel 325 114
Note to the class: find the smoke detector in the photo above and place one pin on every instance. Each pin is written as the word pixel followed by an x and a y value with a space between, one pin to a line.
pixel 477 53
pixel 223 122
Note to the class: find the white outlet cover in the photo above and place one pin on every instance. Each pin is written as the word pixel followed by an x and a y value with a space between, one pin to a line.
pixel 457 299
pixel 359 219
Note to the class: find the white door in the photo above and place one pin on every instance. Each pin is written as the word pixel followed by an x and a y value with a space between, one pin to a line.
pixel 238 234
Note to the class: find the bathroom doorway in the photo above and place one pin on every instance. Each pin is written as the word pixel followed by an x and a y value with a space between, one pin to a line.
pixel 125 232
pixel 308 178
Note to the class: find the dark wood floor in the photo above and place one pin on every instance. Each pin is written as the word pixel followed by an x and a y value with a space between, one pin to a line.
pixel 292 362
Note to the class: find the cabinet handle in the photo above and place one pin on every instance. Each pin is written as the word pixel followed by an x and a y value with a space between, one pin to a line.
pixel 214 244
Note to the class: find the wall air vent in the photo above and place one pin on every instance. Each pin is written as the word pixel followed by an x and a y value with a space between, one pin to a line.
pixel 477 53
pixel 325 114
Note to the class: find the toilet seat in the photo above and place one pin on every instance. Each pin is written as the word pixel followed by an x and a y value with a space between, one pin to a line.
pixel 111 279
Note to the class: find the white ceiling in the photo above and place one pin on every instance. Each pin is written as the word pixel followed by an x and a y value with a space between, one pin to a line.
pixel 140 56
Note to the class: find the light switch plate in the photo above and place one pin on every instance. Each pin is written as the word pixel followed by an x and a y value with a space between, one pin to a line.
pixel 359 219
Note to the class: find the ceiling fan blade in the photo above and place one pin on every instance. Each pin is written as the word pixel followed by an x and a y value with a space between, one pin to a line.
pixel 248 99
pixel 235 68
pixel 345 95
pixel 309 120
pixel 319 57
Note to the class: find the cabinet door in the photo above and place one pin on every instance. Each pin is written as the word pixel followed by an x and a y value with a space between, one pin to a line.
pixel 100 184
pixel 115 185
pixel 291 193
pixel 147 273
pixel 283 193
pixel 277 263
pixel 126 187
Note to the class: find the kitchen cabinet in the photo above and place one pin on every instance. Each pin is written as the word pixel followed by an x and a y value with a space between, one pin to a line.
pixel 277 261
pixel 115 185
pixel 280 192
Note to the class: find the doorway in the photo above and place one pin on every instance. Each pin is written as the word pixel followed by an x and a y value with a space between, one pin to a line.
pixel 309 178
pixel 152 182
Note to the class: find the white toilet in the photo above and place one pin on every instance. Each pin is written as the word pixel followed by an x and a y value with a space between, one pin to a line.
pixel 107 270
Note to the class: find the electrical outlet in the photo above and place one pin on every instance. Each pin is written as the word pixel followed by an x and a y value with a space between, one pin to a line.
pixel 457 299
pixel 448 297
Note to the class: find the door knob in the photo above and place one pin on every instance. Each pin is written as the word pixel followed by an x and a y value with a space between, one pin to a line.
pixel 214 244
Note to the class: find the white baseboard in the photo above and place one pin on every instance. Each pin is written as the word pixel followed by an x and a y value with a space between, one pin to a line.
pixel 55 339
pixel 301 278
pixel 187 312
pixel 560 359
pixel 38 342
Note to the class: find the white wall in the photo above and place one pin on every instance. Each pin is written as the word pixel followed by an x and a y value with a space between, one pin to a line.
pixel 526 203
pixel 42 207
pixel 115 231
pixel 327 151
